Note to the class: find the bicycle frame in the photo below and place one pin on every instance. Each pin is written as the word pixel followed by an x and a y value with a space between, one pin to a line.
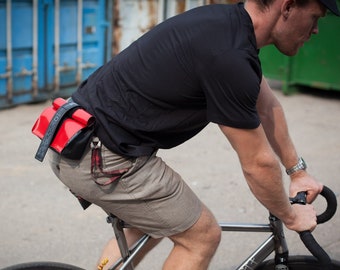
pixel 276 242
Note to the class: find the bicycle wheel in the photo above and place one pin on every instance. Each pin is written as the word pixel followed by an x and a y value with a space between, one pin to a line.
pixel 42 266
pixel 298 263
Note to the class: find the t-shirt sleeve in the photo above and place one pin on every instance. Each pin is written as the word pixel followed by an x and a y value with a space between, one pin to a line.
pixel 231 84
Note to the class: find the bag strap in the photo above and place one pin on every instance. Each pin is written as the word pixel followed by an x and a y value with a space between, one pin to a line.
pixel 52 128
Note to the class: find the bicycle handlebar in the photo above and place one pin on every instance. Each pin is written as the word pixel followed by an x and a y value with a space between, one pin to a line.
pixel 330 197
pixel 307 237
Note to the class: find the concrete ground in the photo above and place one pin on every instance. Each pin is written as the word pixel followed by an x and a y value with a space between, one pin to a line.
pixel 41 221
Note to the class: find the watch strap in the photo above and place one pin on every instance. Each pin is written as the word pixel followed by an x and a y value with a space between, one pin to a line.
pixel 301 165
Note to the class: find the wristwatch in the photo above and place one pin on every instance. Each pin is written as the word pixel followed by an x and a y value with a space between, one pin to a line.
pixel 301 165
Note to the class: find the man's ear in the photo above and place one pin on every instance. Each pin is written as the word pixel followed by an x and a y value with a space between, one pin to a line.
pixel 286 7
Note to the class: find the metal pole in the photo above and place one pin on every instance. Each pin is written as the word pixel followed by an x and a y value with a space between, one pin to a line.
pixel 9 67
pixel 56 45
pixel 161 11
pixel 187 4
pixel 79 42
pixel 35 49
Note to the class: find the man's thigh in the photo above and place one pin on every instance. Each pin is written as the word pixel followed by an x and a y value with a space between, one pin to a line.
pixel 149 196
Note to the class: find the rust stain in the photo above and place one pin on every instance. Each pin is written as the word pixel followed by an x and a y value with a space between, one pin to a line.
pixel 152 14
pixel 210 2
pixel 117 28
pixel 180 6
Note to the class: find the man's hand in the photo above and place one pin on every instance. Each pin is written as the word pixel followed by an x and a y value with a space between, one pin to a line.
pixel 302 181
pixel 304 220
pixel 305 215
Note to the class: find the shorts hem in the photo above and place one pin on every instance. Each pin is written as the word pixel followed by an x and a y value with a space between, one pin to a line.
pixel 174 231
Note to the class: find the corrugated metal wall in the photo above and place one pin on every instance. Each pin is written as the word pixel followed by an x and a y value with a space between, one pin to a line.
pixel 48 47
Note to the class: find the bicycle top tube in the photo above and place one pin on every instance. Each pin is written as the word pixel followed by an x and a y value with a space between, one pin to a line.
pixel 245 227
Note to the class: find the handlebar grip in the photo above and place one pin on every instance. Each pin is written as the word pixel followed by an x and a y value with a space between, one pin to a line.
pixel 316 250
pixel 330 197
pixel 307 238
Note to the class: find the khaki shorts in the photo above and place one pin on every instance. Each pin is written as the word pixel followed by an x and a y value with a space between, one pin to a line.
pixel 149 196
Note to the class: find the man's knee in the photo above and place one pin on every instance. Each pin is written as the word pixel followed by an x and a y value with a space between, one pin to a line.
pixel 212 239
pixel 203 237
pixel 215 234
pixel 209 227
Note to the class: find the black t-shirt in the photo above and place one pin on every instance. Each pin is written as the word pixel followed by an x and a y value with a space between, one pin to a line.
pixel 197 67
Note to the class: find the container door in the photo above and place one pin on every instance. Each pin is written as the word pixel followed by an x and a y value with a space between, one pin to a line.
pixel 18 51
pixel 78 44
pixel 48 47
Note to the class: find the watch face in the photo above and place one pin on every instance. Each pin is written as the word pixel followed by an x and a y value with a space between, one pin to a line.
pixel 302 163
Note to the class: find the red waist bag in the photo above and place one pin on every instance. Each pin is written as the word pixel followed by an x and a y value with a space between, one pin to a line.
pixel 64 127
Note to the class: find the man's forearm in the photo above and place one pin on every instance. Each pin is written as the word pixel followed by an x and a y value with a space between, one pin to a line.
pixel 277 133
pixel 266 184
pixel 275 126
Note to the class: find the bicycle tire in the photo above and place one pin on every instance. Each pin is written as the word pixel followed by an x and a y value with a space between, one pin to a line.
pixel 298 263
pixel 42 266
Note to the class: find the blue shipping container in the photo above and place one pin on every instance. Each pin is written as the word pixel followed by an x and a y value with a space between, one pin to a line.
pixel 47 47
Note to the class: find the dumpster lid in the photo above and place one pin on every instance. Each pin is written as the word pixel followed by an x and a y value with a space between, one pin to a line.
pixel 331 5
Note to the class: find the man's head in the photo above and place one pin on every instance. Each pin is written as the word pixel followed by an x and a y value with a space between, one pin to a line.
pixel 287 24
pixel 297 20
pixel 329 4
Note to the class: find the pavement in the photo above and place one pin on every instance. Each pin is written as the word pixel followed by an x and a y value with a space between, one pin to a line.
pixel 41 220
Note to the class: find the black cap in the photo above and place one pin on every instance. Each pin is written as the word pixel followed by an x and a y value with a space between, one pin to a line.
pixel 332 6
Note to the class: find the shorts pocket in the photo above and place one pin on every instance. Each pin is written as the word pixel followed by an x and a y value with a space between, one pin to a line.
pixel 107 166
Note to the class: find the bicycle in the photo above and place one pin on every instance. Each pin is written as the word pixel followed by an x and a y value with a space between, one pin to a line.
pixel 256 261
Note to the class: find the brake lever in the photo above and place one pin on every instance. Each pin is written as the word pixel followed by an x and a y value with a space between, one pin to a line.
pixel 306 236
pixel 300 198
pixel 329 196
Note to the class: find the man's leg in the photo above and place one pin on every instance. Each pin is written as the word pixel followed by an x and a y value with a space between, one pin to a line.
pixel 111 251
pixel 194 248
pixel 152 197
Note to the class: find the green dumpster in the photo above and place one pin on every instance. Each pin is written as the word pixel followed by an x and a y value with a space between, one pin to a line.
pixel 316 65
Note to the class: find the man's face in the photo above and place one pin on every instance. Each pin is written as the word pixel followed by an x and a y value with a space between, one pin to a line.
pixel 296 26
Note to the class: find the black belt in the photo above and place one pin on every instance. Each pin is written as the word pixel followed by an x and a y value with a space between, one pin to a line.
pixel 52 128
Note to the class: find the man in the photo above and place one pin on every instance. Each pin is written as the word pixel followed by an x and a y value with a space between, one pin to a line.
pixel 198 67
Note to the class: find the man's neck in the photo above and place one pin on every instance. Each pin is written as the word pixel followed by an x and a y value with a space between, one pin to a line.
pixel 264 21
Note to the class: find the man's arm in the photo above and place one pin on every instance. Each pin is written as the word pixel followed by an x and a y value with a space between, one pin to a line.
pixel 263 174
pixel 261 167
pixel 275 127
